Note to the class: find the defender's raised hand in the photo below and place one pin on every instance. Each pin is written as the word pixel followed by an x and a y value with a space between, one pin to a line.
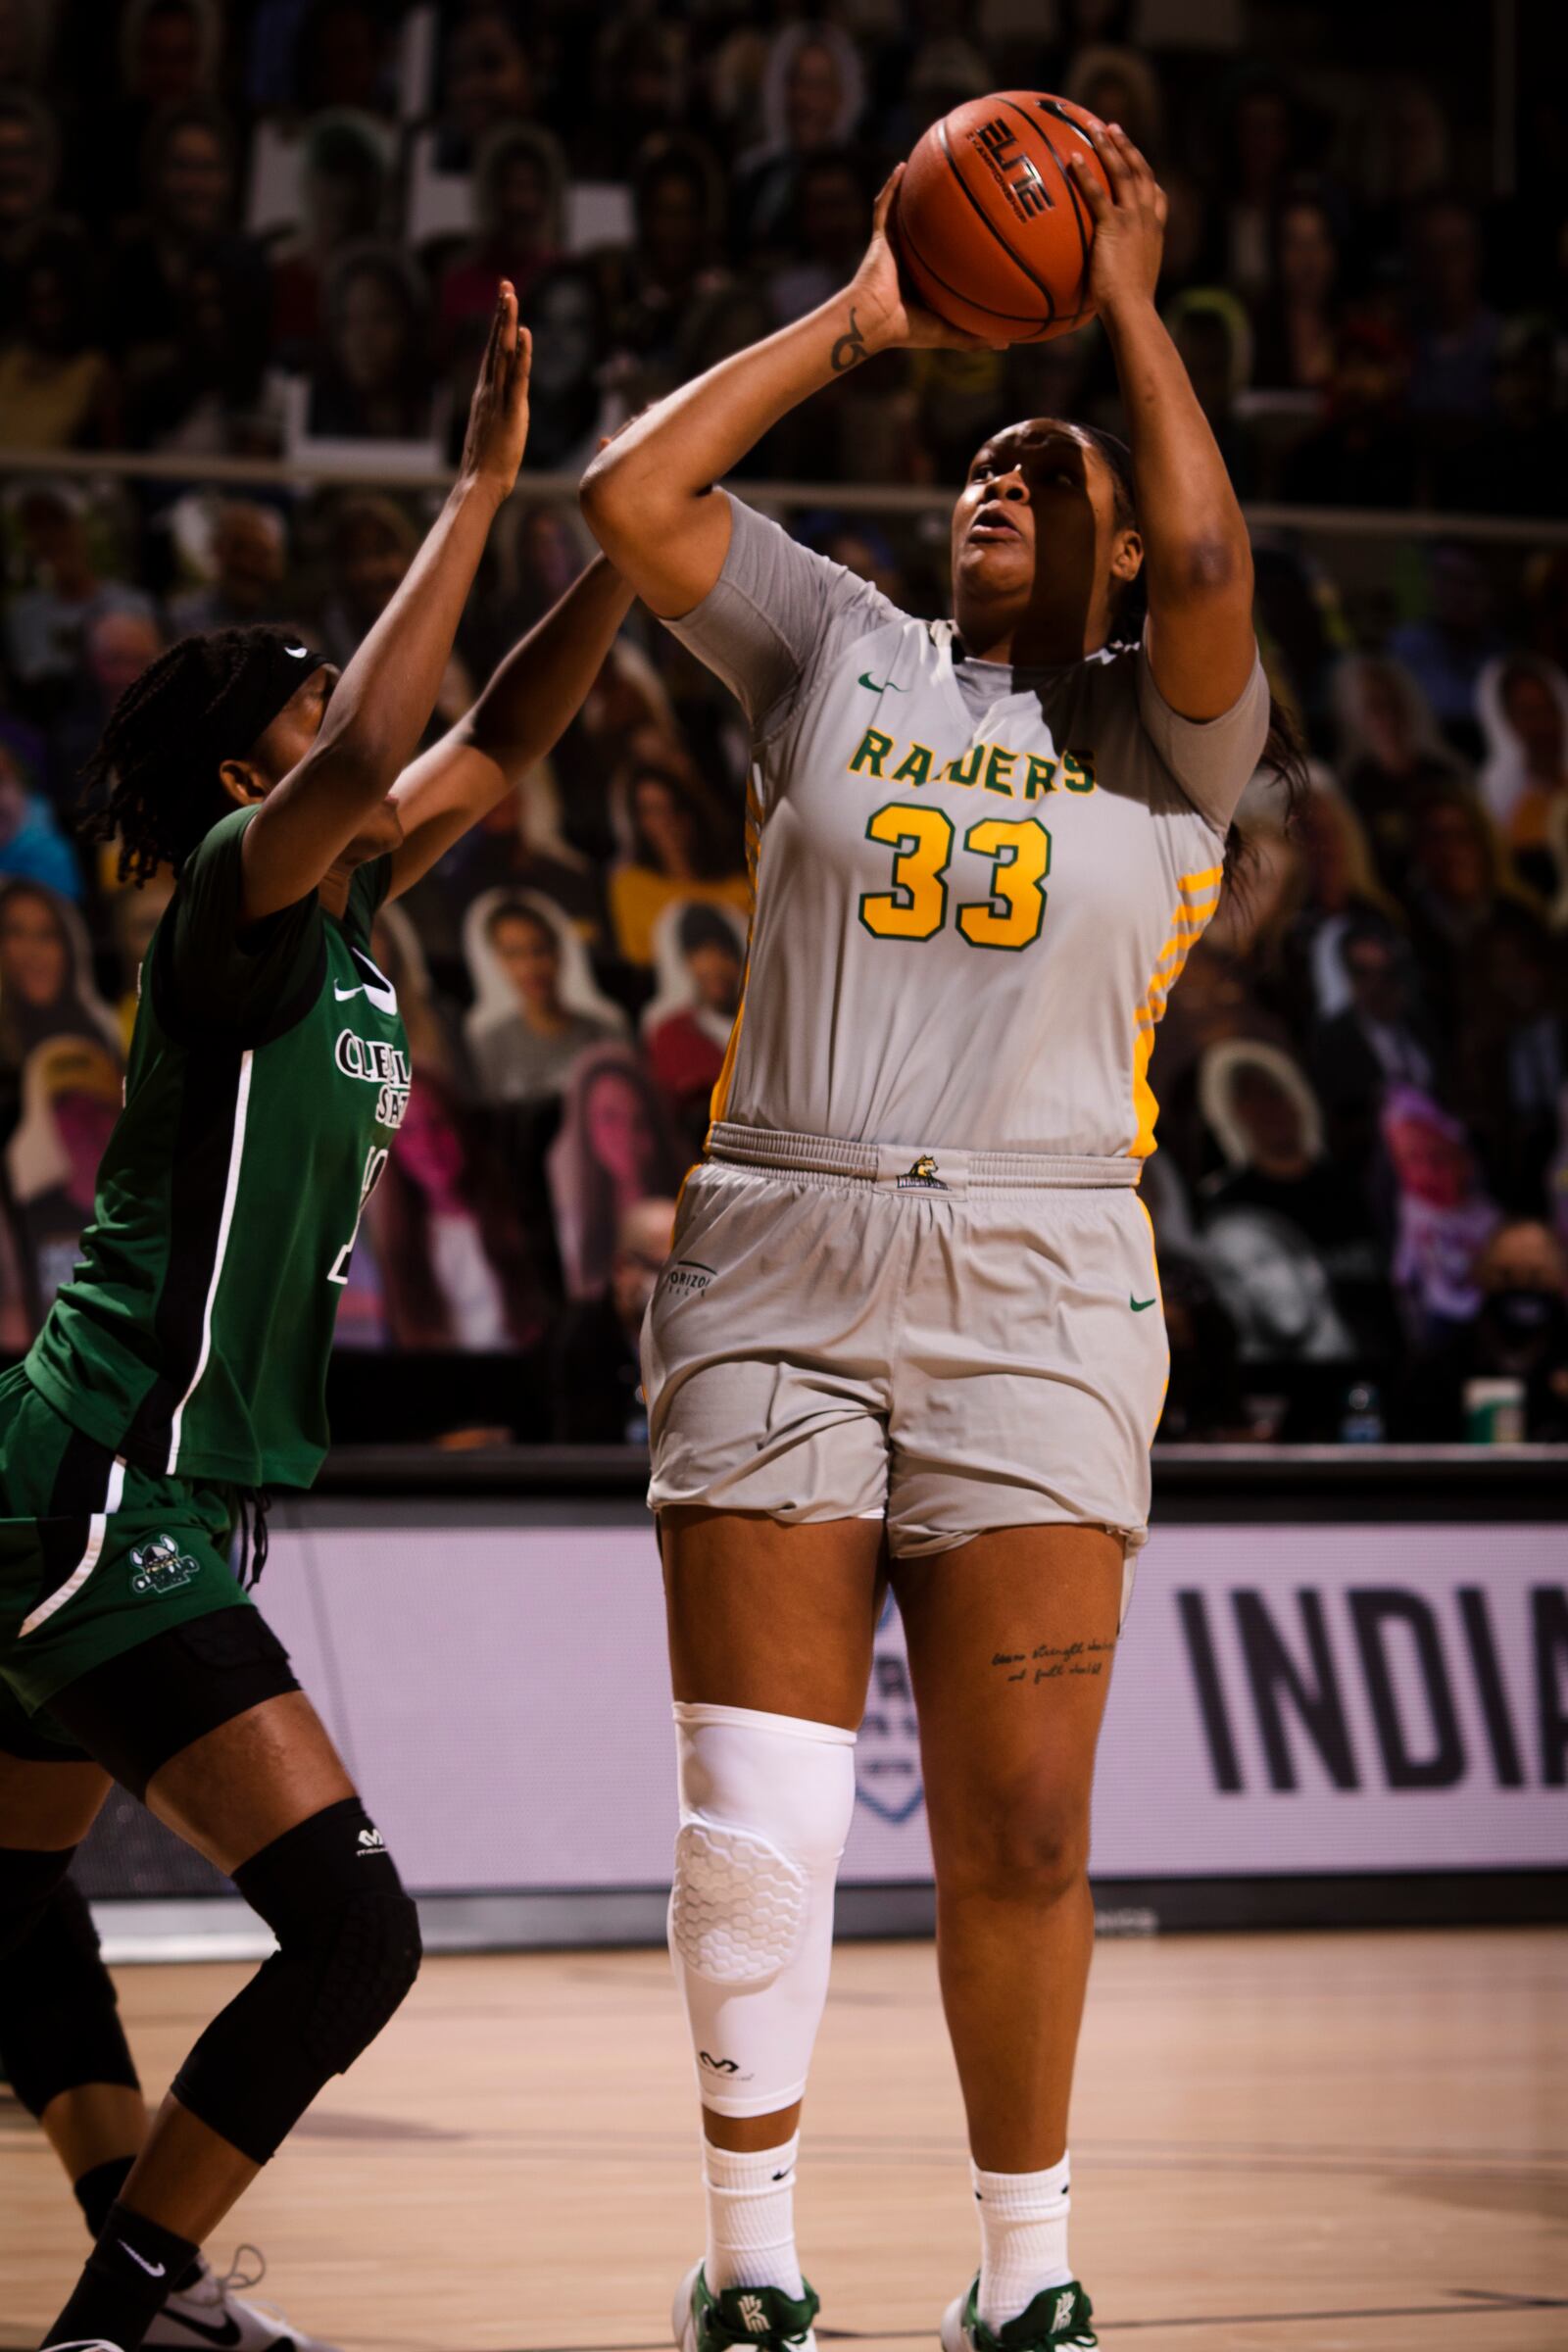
pixel 498 415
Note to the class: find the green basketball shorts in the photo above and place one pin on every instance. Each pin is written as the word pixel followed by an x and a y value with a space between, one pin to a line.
pixel 96 1558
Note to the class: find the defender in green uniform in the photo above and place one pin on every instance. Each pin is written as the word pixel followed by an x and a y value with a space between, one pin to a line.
pixel 184 1366
pixel 185 1363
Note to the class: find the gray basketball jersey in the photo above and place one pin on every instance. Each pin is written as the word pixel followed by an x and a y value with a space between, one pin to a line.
pixel 974 886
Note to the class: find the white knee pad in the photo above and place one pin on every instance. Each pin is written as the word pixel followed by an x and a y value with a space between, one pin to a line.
pixel 765 1806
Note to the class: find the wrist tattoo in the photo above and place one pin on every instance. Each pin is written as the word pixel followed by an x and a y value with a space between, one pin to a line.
pixel 850 349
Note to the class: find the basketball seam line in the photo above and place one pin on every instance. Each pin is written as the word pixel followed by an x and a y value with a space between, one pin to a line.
pixel 1063 174
pixel 1008 317
pixel 982 215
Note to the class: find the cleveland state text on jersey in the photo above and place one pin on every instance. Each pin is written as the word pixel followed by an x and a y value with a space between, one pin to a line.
pixel 379 1064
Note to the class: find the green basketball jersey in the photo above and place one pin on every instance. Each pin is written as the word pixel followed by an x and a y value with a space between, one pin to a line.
pixel 267 1077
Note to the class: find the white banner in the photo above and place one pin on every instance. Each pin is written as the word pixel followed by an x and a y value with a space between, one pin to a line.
pixel 1285 1699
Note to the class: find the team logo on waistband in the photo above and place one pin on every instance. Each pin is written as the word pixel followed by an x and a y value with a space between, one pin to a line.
pixel 688 1277
pixel 922 1177
pixel 162 1567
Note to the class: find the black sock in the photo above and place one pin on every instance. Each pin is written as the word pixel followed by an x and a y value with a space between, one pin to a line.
pixel 122 2290
pixel 97 2190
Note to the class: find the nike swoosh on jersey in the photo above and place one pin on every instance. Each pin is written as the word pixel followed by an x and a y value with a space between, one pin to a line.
pixel 377 990
pixel 1138 1304
pixel 888 686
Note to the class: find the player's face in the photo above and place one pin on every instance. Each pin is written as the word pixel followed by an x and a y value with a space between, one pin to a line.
pixel 285 744
pixel 295 728
pixel 1035 523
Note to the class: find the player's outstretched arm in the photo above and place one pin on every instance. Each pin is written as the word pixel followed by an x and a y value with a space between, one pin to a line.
pixel 649 497
pixel 536 693
pixel 1198 560
pixel 383 701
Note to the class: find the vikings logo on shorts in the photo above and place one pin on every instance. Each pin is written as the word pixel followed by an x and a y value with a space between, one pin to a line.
pixel 160 1567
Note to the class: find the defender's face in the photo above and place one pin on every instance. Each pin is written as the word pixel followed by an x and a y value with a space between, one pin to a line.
pixel 297 725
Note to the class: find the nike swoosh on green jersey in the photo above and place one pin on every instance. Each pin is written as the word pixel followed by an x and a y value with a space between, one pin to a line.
pixel 1138 1304
pixel 887 687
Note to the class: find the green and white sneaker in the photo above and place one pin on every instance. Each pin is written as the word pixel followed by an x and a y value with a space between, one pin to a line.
pixel 1056 2321
pixel 702 2322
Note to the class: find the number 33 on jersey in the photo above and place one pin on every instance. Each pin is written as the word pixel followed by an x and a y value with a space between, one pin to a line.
pixel 968 921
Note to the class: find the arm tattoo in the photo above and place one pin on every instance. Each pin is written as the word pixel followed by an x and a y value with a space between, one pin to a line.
pixel 850 349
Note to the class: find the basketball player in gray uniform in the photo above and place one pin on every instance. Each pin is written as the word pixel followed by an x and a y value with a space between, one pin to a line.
pixel 912 1319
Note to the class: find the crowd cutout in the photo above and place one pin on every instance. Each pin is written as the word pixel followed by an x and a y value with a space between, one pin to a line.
pixel 275 230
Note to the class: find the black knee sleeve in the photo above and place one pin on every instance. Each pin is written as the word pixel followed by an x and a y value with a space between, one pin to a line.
pixel 59 2019
pixel 348 1951
pixel 29 1882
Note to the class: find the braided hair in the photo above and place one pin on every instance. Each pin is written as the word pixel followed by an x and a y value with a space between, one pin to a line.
pixel 1283 751
pixel 153 781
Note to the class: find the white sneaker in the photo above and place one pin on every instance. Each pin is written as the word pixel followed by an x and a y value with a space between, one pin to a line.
pixel 1056 2321
pixel 760 2316
pixel 210 2313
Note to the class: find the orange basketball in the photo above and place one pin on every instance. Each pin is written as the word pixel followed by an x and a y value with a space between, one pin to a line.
pixel 988 227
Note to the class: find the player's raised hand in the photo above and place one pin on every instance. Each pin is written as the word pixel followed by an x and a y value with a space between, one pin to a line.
pixel 498 415
pixel 884 314
pixel 1129 221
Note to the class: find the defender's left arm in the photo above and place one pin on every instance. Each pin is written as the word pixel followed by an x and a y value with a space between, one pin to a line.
pixel 523 713
pixel 1198 560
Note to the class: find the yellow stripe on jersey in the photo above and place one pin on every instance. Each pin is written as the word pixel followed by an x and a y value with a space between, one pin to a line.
pixel 1198 895
pixel 753 849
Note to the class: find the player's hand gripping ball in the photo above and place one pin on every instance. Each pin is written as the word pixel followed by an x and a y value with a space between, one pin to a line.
pixel 994 221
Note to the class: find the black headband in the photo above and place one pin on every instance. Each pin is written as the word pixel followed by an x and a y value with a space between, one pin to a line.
pixel 255 672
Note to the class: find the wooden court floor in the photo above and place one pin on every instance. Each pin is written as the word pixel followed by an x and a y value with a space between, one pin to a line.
pixel 1329 2143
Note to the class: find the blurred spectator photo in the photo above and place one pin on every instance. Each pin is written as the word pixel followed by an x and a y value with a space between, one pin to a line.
pixel 248 255
pixel 535 1004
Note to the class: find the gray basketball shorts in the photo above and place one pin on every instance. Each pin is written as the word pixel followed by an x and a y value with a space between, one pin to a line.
pixel 949 1341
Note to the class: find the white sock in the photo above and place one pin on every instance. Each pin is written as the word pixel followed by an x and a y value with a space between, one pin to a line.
pixel 1024 2239
pixel 750 2218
